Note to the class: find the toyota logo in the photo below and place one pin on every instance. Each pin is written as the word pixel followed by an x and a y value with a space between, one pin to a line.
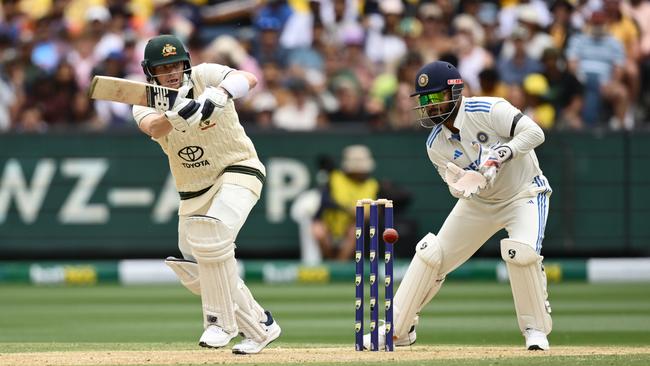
pixel 190 153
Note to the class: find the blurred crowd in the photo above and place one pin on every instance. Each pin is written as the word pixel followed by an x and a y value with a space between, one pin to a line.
pixel 327 64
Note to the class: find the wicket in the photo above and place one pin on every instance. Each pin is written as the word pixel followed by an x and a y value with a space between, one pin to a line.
pixel 374 273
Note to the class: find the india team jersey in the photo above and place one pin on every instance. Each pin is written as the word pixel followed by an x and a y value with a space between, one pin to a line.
pixel 488 122
pixel 212 148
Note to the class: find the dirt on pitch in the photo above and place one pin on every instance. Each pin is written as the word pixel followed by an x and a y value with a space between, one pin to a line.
pixel 283 355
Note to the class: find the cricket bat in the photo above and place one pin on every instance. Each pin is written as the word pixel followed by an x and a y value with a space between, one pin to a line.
pixel 132 92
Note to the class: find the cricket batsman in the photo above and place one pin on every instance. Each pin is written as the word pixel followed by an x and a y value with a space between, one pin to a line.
pixel 482 148
pixel 219 178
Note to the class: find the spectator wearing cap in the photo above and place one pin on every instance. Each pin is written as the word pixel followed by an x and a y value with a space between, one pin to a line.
pixel 268 47
pixel 434 40
pixel 509 16
pixel 561 28
pixel 536 41
pixel 384 45
pixel 98 19
pixel 597 59
pixel 565 91
pixel 488 18
pixel 472 57
pixel 334 226
pixel 514 70
pixel 538 108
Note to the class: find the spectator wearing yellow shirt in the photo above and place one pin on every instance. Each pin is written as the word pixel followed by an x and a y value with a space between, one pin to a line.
pixel 334 224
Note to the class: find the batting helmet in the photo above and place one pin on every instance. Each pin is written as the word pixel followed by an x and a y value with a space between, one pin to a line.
pixel 432 82
pixel 161 50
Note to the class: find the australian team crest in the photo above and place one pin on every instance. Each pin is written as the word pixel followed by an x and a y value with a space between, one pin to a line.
pixel 357 304
pixel 373 254
pixel 357 280
pixel 387 281
pixel 357 327
pixel 357 256
pixel 388 304
pixel 357 232
pixel 373 277
pixel 373 230
pixel 387 257
pixel 168 50
pixel 388 326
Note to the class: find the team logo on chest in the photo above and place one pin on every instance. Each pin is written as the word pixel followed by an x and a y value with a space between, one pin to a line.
pixel 482 137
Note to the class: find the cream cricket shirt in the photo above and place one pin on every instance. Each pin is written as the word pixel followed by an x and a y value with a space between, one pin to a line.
pixel 209 153
pixel 491 122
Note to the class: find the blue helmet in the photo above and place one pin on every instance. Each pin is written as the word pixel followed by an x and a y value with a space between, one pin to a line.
pixel 432 82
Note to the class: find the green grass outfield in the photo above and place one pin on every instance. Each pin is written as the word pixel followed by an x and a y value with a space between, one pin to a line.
pixel 463 318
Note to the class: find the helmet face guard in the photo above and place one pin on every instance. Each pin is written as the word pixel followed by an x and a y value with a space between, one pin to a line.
pixel 431 109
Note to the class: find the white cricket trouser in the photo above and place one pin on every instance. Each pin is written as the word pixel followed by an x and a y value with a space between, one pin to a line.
pixel 231 205
pixel 470 224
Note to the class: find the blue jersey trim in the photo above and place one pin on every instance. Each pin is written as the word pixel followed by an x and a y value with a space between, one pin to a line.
pixel 434 133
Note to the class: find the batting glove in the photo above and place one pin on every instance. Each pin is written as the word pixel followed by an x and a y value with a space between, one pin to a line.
pixel 213 101
pixel 491 160
pixel 185 112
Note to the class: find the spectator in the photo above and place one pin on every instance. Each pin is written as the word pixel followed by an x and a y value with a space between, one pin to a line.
pixel 597 59
pixel 472 57
pixel 565 91
pixel 491 84
pixel 623 28
pixel 300 112
pixel 561 28
pixel 536 39
pixel 434 40
pixel 384 46
pixel 535 87
pixel 514 70
pixel 333 226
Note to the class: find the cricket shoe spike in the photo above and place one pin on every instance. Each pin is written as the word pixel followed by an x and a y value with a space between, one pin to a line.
pixel 406 341
pixel 215 337
pixel 250 346
pixel 536 340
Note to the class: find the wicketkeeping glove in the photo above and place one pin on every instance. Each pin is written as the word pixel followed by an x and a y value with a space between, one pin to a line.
pixel 213 101
pixel 185 111
pixel 465 182
pixel 491 160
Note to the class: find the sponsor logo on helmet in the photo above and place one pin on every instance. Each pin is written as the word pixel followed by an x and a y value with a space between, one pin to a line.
pixel 168 50
pixel 454 81
pixel 423 79
pixel 482 136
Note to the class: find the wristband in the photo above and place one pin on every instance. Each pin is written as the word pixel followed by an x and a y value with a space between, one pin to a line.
pixel 236 85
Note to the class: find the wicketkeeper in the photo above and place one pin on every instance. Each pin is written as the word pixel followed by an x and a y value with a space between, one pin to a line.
pixel 219 179
pixel 482 148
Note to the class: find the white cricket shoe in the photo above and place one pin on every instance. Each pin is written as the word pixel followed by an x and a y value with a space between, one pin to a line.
pixel 215 337
pixel 536 340
pixel 250 346
pixel 406 341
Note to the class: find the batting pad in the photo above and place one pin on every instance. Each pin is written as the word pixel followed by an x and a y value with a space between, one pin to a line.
pixel 212 246
pixel 528 283
pixel 419 285
pixel 187 272
pixel 250 315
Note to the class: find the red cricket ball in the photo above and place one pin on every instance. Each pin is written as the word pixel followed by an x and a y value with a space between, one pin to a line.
pixel 390 235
